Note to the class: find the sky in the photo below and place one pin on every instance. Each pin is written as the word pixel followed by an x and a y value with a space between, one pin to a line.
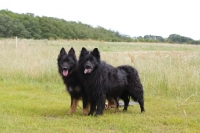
pixel 128 17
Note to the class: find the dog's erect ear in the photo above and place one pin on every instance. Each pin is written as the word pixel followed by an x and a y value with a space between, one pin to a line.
pixel 62 52
pixel 72 51
pixel 83 52
pixel 96 53
pixel 72 54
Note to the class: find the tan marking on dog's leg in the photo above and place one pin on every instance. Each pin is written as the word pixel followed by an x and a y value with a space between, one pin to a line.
pixel 109 104
pixel 115 105
pixel 86 110
pixel 74 105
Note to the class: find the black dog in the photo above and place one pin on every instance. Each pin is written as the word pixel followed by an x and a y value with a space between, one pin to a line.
pixel 68 69
pixel 105 81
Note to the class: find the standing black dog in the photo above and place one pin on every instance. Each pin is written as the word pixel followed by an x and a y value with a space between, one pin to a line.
pixel 105 81
pixel 68 69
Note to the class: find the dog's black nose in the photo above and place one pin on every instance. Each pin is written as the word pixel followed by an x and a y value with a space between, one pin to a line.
pixel 87 66
pixel 65 68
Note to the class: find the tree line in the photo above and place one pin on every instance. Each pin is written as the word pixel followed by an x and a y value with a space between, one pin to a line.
pixel 30 26
pixel 173 38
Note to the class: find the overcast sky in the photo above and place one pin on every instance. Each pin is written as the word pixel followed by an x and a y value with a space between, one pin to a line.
pixel 129 17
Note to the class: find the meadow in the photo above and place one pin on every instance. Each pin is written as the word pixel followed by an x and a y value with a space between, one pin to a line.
pixel 33 98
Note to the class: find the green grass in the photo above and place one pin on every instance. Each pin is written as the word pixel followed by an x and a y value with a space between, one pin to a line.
pixel 33 97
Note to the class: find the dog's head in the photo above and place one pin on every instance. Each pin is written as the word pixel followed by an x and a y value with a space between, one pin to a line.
pixel 89 60
pixel 66 62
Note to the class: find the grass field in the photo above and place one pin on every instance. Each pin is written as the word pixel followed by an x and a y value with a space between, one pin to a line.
pixel 33 98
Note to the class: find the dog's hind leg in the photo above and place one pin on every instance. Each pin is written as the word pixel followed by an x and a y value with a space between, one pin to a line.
pixel 110 101
pixel 141 103
pixel 113 103
pixel 116 104
pixel 140 100
pixel 137 95
pixel 126 100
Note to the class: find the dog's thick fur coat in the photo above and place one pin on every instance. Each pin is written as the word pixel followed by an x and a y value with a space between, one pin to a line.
pixel 102 81
pixel 68 69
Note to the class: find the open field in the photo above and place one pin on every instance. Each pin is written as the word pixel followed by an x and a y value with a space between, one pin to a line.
pixel 33 98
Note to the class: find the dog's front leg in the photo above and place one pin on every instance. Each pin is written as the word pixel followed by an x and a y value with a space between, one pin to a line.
pixel 92 107
pixel 100 104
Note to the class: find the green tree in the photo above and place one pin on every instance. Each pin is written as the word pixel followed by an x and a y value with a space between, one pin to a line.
pixel 19 29
pixel 6 26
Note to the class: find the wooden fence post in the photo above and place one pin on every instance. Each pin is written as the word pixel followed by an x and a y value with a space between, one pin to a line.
pixel 16 42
